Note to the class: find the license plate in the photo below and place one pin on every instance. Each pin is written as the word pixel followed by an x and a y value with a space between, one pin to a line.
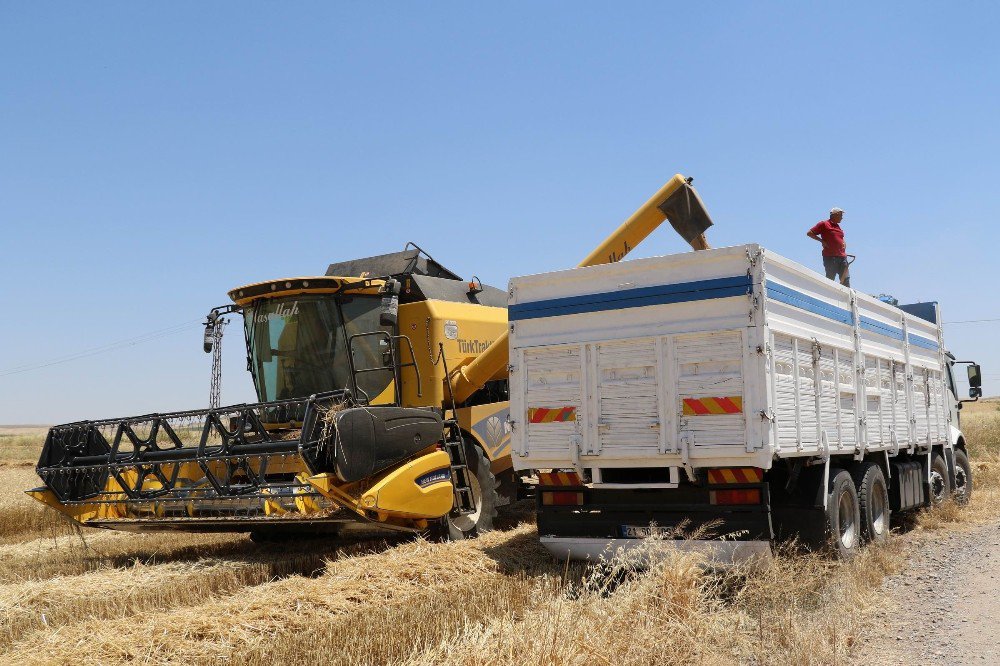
pixel 644 531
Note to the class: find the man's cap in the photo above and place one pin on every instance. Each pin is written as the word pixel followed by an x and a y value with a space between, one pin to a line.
pixel 836 210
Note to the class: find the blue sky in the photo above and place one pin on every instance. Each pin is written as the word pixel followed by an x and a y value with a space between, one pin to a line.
pixel 154 156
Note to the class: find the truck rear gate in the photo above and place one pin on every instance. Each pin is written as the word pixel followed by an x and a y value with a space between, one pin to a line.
pixel 727 358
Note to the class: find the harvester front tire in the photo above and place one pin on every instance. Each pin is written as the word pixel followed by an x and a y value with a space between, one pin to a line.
pixel 484 488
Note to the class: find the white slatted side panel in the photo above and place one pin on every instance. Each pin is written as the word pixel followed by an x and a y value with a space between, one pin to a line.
pixel 920 404
pixel 710 365
pixel 902 420
pixel 628 402
pixel 807 394
pixel 873 401
pixel 939 414
pixel 554 382
pixel 829 402
pixel 848 397
pixel 784 391
pixel 885 389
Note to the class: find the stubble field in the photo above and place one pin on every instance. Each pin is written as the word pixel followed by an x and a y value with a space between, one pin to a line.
pixel 89 596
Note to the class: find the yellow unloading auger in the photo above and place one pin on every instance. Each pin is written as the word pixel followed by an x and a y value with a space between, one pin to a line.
pixel 676 202
pixel 337 455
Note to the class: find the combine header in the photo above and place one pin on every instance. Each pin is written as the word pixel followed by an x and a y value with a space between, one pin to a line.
pixel 383 400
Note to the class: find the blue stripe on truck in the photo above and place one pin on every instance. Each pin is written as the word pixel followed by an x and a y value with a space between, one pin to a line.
pixel 805 302
pixel 683 292
pixel 808 303
pixel 881 328
pixel 918 341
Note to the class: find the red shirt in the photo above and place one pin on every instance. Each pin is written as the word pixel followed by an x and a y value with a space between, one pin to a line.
pixel 833 238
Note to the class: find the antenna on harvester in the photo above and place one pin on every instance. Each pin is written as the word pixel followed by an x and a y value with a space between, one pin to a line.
pixel 214 327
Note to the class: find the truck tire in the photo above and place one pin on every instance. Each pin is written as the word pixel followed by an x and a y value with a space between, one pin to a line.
pixel 484 489
pixel 940 480
pixel 873 502
pixel 962 483
pixel 843 518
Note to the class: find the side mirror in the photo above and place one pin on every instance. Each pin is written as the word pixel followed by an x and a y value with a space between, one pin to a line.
pixel 975 377
pixel 390 304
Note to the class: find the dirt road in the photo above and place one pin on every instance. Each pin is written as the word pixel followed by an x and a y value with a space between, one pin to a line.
pixel 949 596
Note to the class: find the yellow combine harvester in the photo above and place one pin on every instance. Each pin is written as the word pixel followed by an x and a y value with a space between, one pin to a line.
pixel 383 400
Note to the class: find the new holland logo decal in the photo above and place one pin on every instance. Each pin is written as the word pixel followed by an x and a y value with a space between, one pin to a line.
pixel 430 478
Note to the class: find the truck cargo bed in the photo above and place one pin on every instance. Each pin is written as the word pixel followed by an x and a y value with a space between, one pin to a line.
pixel 725 357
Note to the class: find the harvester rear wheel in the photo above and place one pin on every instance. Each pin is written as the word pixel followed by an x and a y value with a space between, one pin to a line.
pixel 484 489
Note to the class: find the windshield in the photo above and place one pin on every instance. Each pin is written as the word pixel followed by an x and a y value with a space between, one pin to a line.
pixel 298 345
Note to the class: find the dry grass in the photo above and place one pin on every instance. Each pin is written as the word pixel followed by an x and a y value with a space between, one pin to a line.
pixel 20 445
pixel 172 599
pixel 22 518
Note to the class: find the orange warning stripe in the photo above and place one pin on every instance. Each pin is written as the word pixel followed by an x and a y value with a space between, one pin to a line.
pixel 551 415
pixel 735 475
pixel 708 406
pixel 558 479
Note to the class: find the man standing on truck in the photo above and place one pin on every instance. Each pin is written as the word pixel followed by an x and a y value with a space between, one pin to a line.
pixel 829 233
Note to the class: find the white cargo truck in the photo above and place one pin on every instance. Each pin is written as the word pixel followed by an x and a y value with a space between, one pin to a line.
pixel 729 387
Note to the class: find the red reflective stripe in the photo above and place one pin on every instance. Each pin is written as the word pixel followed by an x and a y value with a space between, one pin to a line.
pixel 728 406
pixel 558 479
pixel 696 406
pixel 721 475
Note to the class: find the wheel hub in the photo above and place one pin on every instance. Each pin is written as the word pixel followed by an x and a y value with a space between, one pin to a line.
pixel 848 529
pixel 937 487
pixel 961 482
pixel 879 513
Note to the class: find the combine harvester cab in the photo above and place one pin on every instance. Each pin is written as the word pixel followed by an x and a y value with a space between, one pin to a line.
pixel 731 388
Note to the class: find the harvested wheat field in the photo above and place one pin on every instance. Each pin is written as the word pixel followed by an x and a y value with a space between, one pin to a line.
pixel 88 597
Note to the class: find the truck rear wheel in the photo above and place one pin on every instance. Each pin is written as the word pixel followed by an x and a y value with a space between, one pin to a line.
pixel 484 489
pixel 843 517
pixel 940 480
pixel 873 502
pixel 962 487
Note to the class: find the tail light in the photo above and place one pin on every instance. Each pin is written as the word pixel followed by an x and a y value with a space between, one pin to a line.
pixel 730 497
pixel 562 498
